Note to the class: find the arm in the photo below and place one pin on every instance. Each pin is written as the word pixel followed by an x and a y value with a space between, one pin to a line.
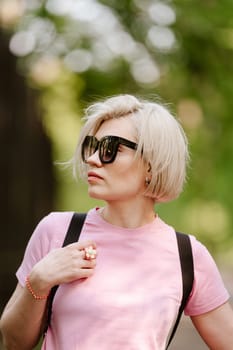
pixel 22 319
pixel 216 327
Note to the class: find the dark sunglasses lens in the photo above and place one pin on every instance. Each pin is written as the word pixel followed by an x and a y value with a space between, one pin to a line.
pixel 88 147
pixel 108 149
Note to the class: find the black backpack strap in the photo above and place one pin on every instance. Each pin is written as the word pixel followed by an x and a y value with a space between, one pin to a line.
pixel 72 235
pixel 186 263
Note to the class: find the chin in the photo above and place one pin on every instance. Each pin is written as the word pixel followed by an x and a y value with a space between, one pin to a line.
pixel 101 196
pixel 95 195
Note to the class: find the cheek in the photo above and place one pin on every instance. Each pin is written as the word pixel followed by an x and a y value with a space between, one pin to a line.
pixel 132 174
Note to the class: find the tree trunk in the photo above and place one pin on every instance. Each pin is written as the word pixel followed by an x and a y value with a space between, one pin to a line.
pixel 26 175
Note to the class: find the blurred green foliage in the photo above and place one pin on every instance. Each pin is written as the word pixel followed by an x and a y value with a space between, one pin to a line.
pixel 123 47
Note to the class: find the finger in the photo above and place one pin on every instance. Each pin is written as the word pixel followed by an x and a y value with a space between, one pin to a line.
pixel 88 244
pixel 84 273
pixel 89 264
pixel 83 244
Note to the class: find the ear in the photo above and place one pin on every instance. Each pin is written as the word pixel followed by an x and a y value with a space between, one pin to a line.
pixel 148 174
pixel 149 168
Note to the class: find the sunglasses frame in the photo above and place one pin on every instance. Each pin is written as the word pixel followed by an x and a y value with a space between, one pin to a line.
pixel 98 145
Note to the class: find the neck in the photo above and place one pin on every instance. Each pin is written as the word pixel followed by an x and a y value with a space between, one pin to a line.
pixel 129 215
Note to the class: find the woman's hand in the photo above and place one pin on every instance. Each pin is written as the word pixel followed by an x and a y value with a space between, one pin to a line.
pixel 62 265
pixel 23 316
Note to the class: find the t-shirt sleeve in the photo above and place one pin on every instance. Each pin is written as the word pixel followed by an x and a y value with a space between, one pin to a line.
pixel 36 249
pixel 208 291
pixel 48 234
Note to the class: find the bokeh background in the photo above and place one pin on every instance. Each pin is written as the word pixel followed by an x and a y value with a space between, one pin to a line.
pixel 58 56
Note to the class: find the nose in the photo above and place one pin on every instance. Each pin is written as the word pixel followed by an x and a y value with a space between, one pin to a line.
pixel 94 159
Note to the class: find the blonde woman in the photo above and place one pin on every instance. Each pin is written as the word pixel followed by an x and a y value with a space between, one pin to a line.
pixel 133 155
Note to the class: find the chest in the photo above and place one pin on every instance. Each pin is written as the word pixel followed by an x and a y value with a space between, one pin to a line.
pixel 131 276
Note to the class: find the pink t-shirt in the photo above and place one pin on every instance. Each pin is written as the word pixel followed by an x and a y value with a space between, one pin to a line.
pixel 132 299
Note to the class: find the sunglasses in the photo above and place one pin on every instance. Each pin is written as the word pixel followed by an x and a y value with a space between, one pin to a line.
pixel 107 147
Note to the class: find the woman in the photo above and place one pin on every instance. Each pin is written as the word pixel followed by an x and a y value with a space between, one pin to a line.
pixel 133 155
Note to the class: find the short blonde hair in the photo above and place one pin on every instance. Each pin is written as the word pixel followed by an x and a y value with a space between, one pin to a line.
pixel 161 142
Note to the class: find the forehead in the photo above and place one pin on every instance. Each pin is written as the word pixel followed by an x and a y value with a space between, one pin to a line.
pixel 122 127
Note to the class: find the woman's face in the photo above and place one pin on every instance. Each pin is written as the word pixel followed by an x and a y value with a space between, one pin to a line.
pixel 124 178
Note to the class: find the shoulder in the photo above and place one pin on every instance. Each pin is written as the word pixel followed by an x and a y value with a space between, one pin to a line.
pixel 51 229
pixel 204 262
pixel 200 251
pixel 55 219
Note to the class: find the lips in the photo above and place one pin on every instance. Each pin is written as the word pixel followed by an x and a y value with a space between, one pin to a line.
pixel 92 175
